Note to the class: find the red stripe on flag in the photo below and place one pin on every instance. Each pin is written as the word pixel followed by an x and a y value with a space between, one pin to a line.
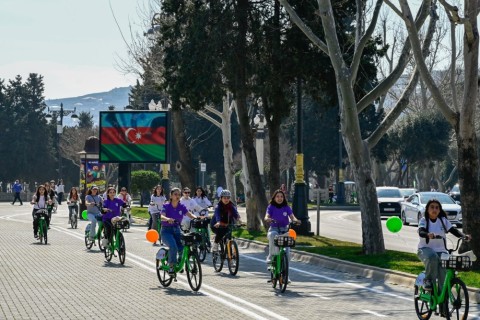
pixel 139 135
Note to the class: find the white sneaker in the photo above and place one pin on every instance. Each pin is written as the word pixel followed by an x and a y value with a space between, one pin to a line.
pixel 215 247
pixel 104 242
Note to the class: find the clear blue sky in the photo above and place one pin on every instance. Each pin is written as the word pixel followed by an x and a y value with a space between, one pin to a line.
pixel 75 45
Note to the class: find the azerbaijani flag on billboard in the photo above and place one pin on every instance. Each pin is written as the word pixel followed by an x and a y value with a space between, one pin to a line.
pixel 133 136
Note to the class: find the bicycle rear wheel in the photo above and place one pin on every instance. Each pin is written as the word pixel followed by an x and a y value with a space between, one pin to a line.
pixel 121 248
pixel 194 271
pixel 457 304
pixel 162 273
pixel 273 271
pixel 422 308
pixel 283 276
pixel 233 258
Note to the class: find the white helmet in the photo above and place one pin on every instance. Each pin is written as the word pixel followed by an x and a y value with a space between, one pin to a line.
pixel 225 193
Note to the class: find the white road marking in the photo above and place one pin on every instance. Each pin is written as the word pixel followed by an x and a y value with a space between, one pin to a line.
pixel 321 297
pixel 375 313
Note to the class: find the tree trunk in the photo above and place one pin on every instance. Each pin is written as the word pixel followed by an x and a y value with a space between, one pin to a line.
pixel 241 93
pixel 252 218
pixel 184 164
pixel 274 144
pixel 226 127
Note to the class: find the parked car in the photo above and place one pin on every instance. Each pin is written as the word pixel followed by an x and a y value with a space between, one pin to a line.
pixel 389 199
pixel 455 193
pixel 413 209
pixel 407 192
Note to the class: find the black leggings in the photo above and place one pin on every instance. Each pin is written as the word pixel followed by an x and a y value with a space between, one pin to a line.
pixel 219 233
pixel 108 227
pixel 36 217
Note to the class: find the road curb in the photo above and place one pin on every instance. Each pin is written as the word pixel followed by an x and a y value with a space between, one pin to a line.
pixel 370 272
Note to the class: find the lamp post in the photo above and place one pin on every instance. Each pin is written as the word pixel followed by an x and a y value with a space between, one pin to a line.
pixel 300 194
pixel 89 152
pixel 59 112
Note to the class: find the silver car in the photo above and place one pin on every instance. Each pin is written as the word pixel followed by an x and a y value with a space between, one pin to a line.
pixel 413 209
pixel 389 199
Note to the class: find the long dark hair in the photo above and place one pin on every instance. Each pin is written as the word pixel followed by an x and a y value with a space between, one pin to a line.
pixel 441 215
pixel 154 191
pixel 203 195
pixel 274 203
pixel 45 193
pixel 71 193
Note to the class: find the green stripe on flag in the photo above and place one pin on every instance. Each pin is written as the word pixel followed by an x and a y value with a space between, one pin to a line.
pixel 132 153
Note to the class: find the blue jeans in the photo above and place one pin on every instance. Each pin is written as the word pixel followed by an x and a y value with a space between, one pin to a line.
pixel 433 267
pixel 272 248
pixel 171 237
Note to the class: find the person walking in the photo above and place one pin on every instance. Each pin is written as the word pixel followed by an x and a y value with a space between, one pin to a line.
pixel 17 188
pixel 60 189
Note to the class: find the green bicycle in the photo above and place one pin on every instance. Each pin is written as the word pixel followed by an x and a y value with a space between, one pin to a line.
pixel 98 236
pixel 454 294
pixel 189 259
pixel 42 226
pixel 117 243
pixel 201 226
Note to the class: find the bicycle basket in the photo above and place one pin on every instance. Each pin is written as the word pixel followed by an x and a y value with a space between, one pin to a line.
pixel 122 224
pixel 284 241
pixel 191 238
pixel 200 223
pixel 462 263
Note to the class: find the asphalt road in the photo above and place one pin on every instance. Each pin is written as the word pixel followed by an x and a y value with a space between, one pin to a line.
pixel 64 280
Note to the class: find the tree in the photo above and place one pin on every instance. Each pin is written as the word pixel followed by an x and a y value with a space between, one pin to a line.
pixel 85 120
pixel 346 74
pixel 143 181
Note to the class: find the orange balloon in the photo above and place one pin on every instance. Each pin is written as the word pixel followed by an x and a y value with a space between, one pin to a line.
pixel 152 235
pixel 292 234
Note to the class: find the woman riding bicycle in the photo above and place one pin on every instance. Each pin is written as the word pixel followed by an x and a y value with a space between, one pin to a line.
pixel 40 200
pixel 191 206
pixel 201 199
pixel 430 249
pixel 125 197
pixel 72 202
pixel 225 214
pixel 279 211
pixel 157 199
pixel 172 215
pixel 112 207
pixel 93 202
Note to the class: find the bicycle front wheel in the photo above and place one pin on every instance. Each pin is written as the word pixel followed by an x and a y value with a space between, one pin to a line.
pixel 88 242
pixel 73 221
pixel 233 258
pixel 283 274
pixel 194 272
pixel 45 237
pixel 218 257
pixel 457 306
pixel 422 308
pixel 101 235
pixel 122 251
pixel 108 252
pixel 162 273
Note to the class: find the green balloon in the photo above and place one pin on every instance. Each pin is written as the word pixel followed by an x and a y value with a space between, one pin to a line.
pixel 84 215
pixel 394 224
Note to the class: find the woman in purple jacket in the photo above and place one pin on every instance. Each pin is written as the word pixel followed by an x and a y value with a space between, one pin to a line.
pixel 111 208
pixel 279 211
pixel 172 215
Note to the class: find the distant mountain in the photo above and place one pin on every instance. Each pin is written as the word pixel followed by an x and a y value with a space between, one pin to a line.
pixel 93 102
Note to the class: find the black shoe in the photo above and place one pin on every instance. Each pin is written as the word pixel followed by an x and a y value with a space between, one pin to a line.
pixel 35 236
pixel 427 285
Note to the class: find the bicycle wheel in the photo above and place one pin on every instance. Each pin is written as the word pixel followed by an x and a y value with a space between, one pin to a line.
pixel 202 249
pixel 422 308
pixel 40 231
pixel 457 304
pixel 233 258
pixel 218 257
pixel 283 275
pixel 121 248
pixel 73 221
pixel 273 272
pixel 162 273
pixel 194 271
pixel 101 235
pixel 108 252
pixel 88 242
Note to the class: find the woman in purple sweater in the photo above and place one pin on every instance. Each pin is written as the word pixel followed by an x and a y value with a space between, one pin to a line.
pixel 279 211
pixel 111 208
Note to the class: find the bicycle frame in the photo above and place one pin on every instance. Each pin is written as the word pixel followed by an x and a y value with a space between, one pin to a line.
pixel 434 299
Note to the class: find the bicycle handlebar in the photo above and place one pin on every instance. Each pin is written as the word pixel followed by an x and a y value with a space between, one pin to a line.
pixel 437 236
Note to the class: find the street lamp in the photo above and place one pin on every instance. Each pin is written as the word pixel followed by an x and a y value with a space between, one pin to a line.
pixel 154 26
pixel 59 112
pixel 300 196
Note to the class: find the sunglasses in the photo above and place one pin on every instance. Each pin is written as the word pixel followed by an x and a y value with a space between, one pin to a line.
pixel 187 192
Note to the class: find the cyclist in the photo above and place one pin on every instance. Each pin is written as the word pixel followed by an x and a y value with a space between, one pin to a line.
pixel 280 211
pixel 93 202
pixel 125 197
pixel 430 249
pixel 111 209
pixel 51 194
pixel 201 198
pixel 172 215
pixel 225 214
pixel 157 199
pixel 191 206
pixel 72 202
pixel 40 200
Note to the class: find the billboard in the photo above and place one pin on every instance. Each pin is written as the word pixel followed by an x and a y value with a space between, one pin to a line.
pixel 95 173
pixel 134 136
